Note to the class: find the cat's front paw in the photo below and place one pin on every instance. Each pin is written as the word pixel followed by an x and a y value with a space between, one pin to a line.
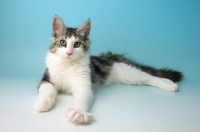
pixel 77 116
pixel 43 104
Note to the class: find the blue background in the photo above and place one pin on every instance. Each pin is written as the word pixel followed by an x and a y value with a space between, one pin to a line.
pixel 159 33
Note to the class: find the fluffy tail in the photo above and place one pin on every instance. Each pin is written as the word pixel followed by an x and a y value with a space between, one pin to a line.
pixel 173 75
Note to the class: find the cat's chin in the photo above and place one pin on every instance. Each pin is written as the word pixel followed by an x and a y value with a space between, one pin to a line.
pixel 69 59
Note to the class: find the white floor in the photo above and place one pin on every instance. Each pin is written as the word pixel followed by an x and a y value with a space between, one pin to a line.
pixel 116 108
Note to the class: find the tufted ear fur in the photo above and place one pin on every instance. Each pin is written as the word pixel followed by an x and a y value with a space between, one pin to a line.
pixel 84 28
pixel 58 26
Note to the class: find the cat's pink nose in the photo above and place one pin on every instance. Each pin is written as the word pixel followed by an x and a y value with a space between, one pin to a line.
pixel 69 53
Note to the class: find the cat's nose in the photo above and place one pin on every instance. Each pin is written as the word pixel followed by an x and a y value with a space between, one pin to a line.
pixel 69 53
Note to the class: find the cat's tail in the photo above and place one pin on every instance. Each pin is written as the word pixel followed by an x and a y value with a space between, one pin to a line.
pixel 170 74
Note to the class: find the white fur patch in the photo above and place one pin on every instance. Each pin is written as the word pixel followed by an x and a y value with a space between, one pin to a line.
pixel 46 97
pixel 72 77
pixel 67 76
pixel 125 74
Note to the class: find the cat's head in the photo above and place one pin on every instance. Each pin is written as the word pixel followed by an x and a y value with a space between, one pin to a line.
pixel 70 43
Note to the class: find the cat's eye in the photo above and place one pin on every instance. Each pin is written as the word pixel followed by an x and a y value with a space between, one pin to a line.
pixel 63 42
pixel 77 44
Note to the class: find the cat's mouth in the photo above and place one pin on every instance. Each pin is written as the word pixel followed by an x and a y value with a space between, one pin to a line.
pixel 69 58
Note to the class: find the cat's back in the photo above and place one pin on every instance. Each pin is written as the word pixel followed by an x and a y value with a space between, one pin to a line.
pixel 100 67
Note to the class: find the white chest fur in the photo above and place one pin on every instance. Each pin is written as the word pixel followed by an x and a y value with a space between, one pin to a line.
pixel 66 75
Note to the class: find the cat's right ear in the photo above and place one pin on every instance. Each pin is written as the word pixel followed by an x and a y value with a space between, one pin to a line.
pixel 58 26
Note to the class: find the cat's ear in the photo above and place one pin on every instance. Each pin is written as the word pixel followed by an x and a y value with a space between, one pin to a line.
pixel 58 26
pixel 84 28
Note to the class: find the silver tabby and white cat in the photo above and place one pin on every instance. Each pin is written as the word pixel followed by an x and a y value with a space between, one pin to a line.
pixel 71 69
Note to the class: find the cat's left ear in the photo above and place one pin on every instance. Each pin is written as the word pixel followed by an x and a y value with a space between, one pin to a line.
pixel 84 28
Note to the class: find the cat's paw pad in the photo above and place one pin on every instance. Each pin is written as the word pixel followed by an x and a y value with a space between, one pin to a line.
pixel 43 104
pixel 77 116
pixel 169 85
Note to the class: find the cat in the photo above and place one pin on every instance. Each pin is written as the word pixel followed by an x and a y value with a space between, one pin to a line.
pixel 71 69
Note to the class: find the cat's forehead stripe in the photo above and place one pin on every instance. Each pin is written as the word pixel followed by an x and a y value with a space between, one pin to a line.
pixel 71 32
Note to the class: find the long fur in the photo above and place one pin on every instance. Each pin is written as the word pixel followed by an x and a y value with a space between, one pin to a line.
pixel 71 69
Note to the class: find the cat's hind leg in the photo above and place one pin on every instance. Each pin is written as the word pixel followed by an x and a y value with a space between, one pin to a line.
pixel 122 73
pixel 45 100
pixel 164 83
